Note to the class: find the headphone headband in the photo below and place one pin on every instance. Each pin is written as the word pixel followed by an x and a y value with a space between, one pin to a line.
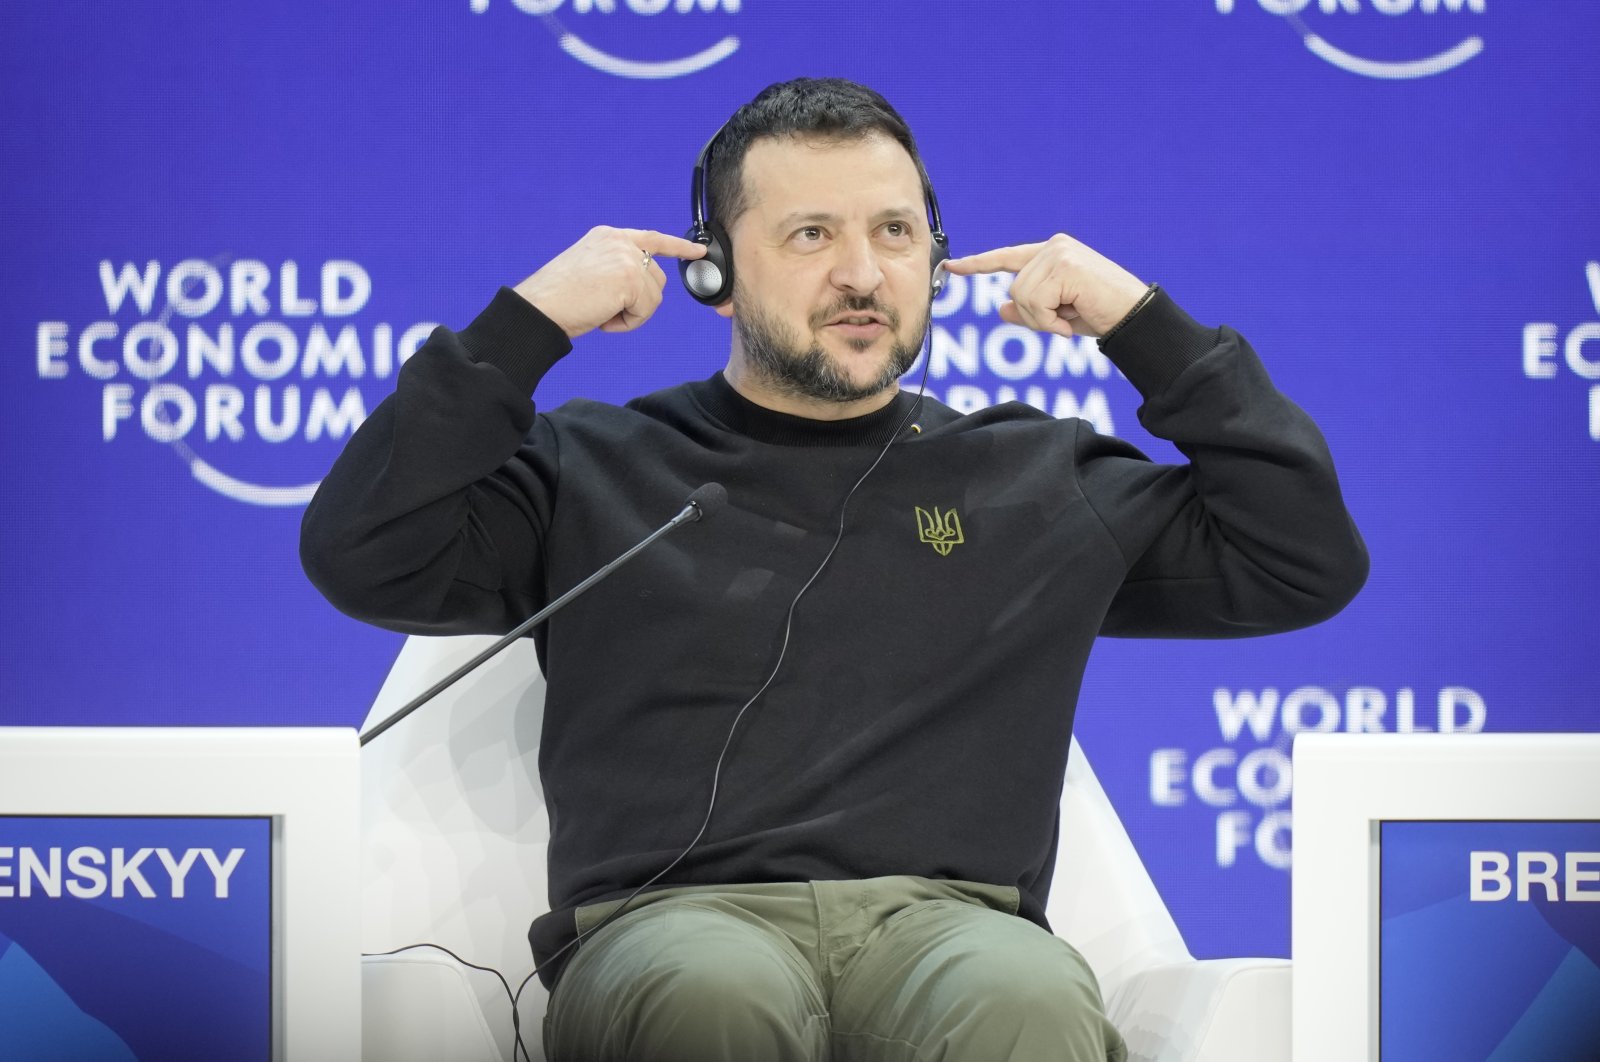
pixel 697 186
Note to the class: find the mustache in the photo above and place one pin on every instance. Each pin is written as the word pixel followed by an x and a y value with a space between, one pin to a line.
pixel 856 304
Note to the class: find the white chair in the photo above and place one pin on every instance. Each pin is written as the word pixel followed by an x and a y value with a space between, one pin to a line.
pixel 454 837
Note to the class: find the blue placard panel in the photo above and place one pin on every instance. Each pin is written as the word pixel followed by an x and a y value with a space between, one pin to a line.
pixel 136 938
pixel 1489 941
pixel 227 225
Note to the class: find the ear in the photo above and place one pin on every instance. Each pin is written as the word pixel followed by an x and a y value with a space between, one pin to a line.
pixel 724 308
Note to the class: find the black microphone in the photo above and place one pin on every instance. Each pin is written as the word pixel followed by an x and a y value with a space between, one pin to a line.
pixel 704 502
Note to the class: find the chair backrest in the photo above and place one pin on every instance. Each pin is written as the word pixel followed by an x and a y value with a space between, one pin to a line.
pixel 455 832
pixel 1102 900
pixel 453 819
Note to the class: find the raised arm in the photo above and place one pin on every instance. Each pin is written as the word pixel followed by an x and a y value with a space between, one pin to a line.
pixel 1252 535
pixel 432 520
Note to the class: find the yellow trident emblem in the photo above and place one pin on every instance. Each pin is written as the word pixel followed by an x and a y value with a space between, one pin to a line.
pixel 942 531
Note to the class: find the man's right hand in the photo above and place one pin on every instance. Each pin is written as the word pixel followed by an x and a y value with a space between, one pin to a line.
pixel 607 280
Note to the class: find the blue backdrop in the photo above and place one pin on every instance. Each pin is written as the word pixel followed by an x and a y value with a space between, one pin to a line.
pixel 226 223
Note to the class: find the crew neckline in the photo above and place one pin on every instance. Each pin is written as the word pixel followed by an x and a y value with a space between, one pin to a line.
pixel 738 414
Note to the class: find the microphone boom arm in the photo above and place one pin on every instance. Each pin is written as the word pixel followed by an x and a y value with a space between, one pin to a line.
pixel 694 510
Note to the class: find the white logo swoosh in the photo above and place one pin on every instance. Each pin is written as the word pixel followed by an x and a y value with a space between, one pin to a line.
pixel 1434 64
pixel 589 55
pixel 239 490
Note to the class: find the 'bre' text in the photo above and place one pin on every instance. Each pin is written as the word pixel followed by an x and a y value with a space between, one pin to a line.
pixel 1567 877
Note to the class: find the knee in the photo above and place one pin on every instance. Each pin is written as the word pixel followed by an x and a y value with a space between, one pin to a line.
pixel 1046 997
pixel 723 992
pixel 1047 982
pixel 722 1002
pixel 1047 973
pixel 1008 982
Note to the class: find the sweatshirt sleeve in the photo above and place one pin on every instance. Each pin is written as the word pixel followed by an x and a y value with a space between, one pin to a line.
pixel 1252 535
pixel 432 519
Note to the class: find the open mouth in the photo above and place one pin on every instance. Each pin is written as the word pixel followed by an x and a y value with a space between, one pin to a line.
pixel 860 325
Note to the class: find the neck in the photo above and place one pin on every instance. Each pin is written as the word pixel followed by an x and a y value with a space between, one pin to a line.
pixel 738 414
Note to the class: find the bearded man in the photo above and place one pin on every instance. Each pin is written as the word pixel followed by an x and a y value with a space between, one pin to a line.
pixel 803 765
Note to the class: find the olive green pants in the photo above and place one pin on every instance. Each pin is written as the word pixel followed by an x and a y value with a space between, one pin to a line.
pixel 898 969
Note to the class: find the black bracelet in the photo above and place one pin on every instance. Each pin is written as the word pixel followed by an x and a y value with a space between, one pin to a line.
pixel 1149 293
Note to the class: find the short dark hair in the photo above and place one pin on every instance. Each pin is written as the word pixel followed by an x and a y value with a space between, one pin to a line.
pixel 825 108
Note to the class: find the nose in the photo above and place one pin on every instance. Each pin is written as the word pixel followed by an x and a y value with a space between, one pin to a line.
pixel 856 268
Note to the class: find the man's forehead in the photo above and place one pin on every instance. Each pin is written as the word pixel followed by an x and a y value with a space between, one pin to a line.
pixel 817 178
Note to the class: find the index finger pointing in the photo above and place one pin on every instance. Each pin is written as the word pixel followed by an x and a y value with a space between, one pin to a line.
pixel 999 260
pixel 653 242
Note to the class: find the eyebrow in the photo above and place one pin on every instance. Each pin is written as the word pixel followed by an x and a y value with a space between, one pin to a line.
pixel 813 217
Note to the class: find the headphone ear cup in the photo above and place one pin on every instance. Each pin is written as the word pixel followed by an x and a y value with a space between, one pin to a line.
pixel 709 279
pixel 940 253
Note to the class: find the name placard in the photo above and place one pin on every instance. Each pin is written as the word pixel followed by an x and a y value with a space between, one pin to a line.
pixel 1489 939
pixel 136 937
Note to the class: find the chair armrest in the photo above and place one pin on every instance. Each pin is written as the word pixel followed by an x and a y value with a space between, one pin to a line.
pixel 419 1008
pixel 1206 1010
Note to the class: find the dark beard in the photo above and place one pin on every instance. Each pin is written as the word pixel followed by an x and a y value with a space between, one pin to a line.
pixel 773 353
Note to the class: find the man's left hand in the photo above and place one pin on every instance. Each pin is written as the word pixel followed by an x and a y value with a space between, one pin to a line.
pixel 1062 286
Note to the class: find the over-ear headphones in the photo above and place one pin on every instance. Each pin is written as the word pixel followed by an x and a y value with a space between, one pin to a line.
pixel 709 279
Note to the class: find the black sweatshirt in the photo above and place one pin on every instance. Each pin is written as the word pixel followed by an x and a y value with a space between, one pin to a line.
pixel 921 719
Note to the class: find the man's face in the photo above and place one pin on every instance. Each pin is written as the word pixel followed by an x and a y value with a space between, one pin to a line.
pixel 831 266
